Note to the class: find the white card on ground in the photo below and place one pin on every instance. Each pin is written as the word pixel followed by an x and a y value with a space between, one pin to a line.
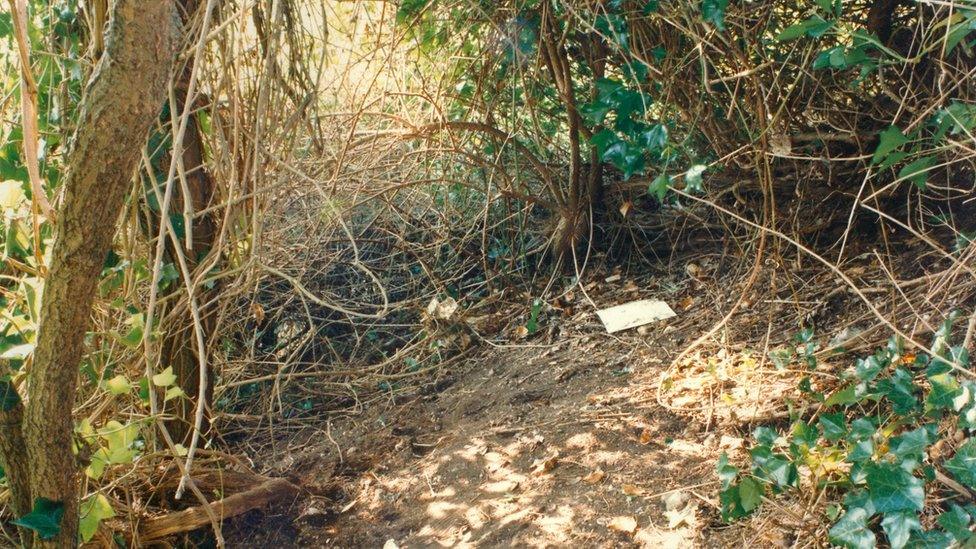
pixel 634 314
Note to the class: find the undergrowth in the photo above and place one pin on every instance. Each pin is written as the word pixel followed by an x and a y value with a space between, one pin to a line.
pixel 891 446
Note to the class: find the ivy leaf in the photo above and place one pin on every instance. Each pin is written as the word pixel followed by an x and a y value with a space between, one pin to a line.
pixel 773 467
pixel 833 426
pixel 173 392
pixel 765 435
pixel 890 139
pixel 726 472
pixel 852 530
pixel 410 9
pixel 594 113
pixel 6 25
pixel 164 378
pixel 900 391
pixel 844 397
pixel 814 27
pixel 659 187
pixel 9 397
pixel 911 444
pixel 44 518
pixel 602 140
pixel 945 389
pixel 750 494
pixel 93 511
pixel 934 539
pixel 917 171
pixel 962 466
pixel 655 138
pixel 898 527
pixel 118 385
pixel 693 178
pixel 714 12
pixel 956 522
pixel 892 488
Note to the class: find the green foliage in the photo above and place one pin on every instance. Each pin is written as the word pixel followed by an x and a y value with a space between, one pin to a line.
pixel 93 511
pixel 882 434
pixel 44 518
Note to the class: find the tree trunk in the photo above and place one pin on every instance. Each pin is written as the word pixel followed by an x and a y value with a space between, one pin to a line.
pixel 120 103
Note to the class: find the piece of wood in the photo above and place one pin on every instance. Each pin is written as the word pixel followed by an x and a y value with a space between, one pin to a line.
pixel 634 314
pixel 158 528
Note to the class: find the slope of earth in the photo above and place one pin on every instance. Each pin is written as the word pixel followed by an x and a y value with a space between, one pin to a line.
pixel 557 439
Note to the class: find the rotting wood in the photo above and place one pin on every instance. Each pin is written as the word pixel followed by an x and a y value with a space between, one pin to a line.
pixel 196 517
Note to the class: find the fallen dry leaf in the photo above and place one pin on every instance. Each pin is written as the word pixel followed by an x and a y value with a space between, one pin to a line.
pixel 631 490
pixel 544 465
pixel 624 525
pixel 645 436
pixel 625 208
pixel 594 477
pixel 258 311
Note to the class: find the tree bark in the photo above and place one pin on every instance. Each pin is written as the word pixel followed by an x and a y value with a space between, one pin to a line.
pixel 120 103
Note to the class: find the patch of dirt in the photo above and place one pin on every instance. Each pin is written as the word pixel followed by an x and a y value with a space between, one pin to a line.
pixel 534 444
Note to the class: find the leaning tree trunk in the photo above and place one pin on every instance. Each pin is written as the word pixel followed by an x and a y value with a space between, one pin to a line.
pixel 120 103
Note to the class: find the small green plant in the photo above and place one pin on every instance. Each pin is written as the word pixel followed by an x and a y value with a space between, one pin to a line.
pixel 868 446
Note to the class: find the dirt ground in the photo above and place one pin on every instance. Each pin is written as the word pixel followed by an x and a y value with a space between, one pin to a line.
pixel 550 441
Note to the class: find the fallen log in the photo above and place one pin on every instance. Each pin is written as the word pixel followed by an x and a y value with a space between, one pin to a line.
pixel 187 520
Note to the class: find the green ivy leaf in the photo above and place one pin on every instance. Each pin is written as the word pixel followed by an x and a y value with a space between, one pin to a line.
pixel 956 522
pixel 9 397
pixel 844 397
pixel 750 494
pixel 945 389
pixel 962 466
pixel 659 187
pixel 655 138
pixel 833 426
pixel 93 511
pixel 933 539
pixel 892 488
pixel 726 472
pixel 898 527
pixel 911 444
pixel 773 467
pixel 410 9
pixel 44 518
pixel 889 140
pixel 852 530
pixel 917 171
pixel 900 391
pixel 814 27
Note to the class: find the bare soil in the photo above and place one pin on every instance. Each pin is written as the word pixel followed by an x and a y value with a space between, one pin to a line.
pixel 549 441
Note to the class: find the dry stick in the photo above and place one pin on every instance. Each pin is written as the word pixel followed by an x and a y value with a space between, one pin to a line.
pixel 153 398
pixel 175 163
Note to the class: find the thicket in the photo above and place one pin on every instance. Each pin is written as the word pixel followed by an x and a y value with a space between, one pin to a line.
pixel 320 171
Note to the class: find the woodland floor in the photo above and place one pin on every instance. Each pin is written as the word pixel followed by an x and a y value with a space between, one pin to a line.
pixel 552 441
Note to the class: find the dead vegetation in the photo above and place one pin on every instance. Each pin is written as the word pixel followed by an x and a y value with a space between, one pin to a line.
pixel 358 165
